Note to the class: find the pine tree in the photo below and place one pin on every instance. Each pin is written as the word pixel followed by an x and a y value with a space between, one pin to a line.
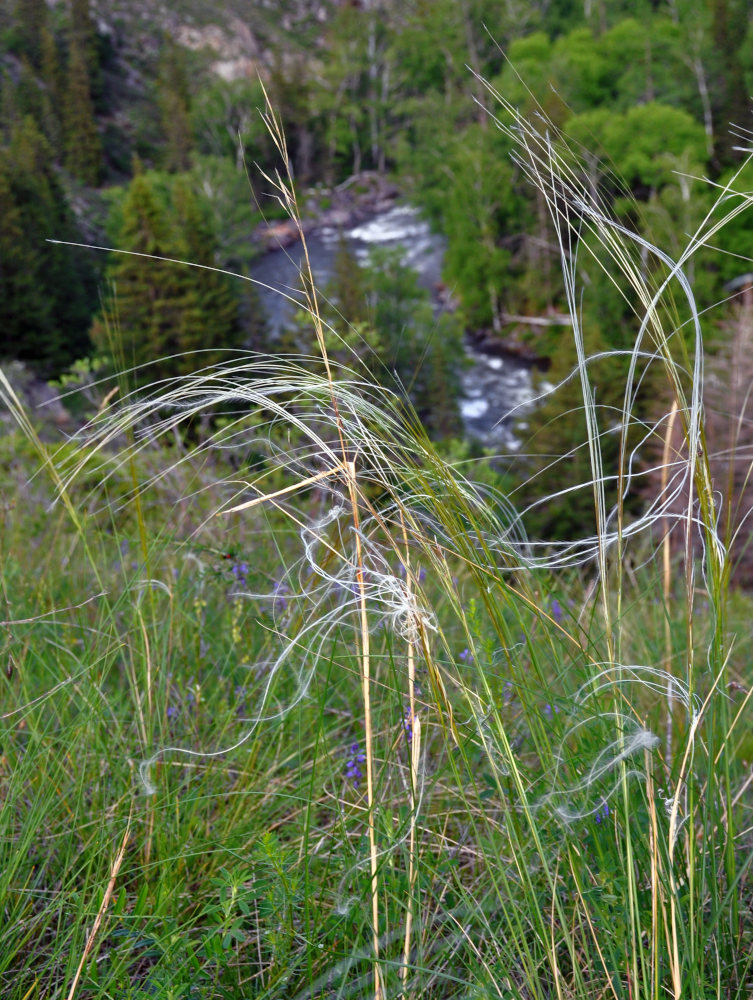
pixel 175 103
pixel 23 308
pixel 31 19
pixel 29 96
pixel 165 311
pixel 82 144
pixel 209 307
pixel 9 115
pixel 145 290
pixel 83 35
pixel 52 102
pixel 45 289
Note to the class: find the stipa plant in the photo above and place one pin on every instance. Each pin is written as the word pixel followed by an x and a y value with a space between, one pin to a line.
pixel 534 794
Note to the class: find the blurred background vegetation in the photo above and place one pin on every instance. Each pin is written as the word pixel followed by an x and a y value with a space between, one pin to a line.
pixel 130 125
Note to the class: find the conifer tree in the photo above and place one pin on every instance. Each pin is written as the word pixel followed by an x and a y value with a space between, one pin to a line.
pixel 175 103
pixel 21 305
pixel 165 310
pixel 146 291
pixel 28 98
pixel 82 144
pixel 52 101
pixel 45 290
pixel 8 108
pixel 83 35
pixel 209 307
pixel 31 19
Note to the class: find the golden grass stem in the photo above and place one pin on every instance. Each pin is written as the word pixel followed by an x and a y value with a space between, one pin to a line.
pixel 415 750
pixel 367 721
pixel 294 487
pixel 102 909
pixel 667 582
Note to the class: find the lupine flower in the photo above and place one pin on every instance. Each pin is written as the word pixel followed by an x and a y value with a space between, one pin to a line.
pixel 408 724
pixel 601 812
pixel 240 572
pixel 280 601
pixel 353 770
pixel 467 655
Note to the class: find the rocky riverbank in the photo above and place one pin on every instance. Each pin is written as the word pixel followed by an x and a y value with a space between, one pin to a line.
pixel 357 199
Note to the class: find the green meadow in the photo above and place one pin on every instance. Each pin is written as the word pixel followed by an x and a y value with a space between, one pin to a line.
pixel 293 707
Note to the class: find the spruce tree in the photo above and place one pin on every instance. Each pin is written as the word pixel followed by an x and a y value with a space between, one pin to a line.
pixel 209 319
pixel 165 311
pixel 22 305
pixel 83 35
pixel 29 96
pixel 175 103
pixel 146 291
pixel 46 290
pixel 82 144
pixel 31 19
pixel 52 102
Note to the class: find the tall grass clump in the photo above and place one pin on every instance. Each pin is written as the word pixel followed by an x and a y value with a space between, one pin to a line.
pixel 335 726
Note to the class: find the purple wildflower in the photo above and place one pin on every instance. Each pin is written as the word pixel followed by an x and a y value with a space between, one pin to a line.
pixel 353 770
pixel 601 812
pixel 467 655
pixel 172 711
pixel 408 724
pixel 556 610
pixel 279 599
pixel 240 572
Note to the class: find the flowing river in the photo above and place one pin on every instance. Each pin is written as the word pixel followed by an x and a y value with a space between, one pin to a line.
pixel 492 385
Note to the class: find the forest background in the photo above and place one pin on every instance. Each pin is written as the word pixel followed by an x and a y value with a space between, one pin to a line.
pixel 363 734
pixel 127 125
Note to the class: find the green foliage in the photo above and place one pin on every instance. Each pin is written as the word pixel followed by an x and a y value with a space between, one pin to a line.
pixel 484 213
pixel 46 291
pixel 649 64
pixel 580 69
pixel 164 312
pixel 650 141
pixel 31 20
pixel 557 450
pixel 227 123
pixel 82 144
pixel 175 110
pixel 82 35
pixel 52 77
pixel 421 353
pixel 736 239
pixel 382 321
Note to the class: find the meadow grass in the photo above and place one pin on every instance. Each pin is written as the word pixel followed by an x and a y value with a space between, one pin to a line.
pixel 297 710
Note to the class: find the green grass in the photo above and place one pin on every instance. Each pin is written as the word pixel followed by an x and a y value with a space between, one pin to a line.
pixel 209 789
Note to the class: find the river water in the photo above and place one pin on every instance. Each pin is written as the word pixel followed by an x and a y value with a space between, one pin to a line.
pixel 493 386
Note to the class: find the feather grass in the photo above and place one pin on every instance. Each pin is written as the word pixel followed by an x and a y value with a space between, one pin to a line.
pixel 568 816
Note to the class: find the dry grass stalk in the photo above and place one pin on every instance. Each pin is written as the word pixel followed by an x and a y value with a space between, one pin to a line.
pixel 415 750
pixel 102 909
